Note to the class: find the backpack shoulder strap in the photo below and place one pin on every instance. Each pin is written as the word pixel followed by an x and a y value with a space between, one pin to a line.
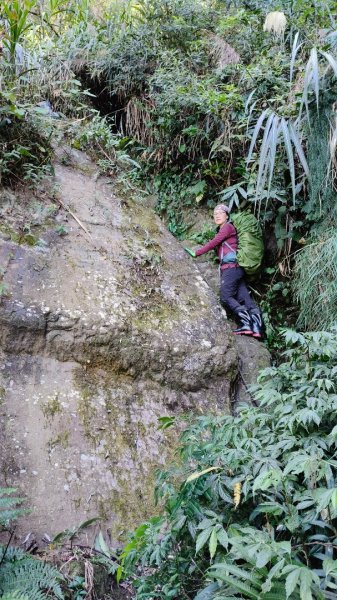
pixel 228 246
pixel 224 243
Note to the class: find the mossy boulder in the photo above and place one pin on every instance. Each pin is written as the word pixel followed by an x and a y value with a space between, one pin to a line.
pixel 103 331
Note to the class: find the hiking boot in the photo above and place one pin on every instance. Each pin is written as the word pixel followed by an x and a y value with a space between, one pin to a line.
pixel 257 325
pixel 245 326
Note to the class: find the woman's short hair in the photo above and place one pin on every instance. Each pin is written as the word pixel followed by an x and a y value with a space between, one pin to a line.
pixel 222 208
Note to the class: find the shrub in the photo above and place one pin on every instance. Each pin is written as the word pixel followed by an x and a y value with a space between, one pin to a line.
pixel 23 577
pixel 24 145
pixel 251 511
pixel 315 282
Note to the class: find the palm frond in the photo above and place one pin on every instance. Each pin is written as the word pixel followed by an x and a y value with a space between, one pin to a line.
pixel 290 154
pixel 313 78
pixel 299 149
pixel 277 131
pixel 331 38
pixel 295 49
pixel 256 132
pixel 331 60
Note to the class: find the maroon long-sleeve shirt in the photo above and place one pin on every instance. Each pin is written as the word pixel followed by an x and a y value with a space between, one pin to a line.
pixel 226 233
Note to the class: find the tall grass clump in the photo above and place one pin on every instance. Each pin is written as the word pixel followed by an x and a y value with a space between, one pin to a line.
pixel 315 282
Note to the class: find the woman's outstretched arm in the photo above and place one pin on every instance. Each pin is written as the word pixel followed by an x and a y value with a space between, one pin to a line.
pixel 225 232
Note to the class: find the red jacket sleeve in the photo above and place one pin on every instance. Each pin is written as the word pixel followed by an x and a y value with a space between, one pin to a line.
pixel 225 232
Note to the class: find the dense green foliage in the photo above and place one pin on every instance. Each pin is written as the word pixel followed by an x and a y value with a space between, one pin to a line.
pixel 315 281
pixel 29 578
pixel 197 94
pixel 251 507
pixel 194 102
pixel 23 577
pixel 9 507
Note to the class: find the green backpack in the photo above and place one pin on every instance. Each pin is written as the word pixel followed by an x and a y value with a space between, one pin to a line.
pixel 250 242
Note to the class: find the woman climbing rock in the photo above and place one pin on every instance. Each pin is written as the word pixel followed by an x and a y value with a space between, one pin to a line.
pixel 233 289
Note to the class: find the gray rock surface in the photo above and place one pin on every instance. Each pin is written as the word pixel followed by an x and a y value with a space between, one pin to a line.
pixel 102 331
pixel 253 356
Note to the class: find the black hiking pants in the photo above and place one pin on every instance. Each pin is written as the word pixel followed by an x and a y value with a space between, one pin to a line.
pixel 234 293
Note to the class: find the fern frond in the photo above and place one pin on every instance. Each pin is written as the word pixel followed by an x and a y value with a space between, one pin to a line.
pixel 7 491
pixel 8 506
pixel 14 596
pixel 32 578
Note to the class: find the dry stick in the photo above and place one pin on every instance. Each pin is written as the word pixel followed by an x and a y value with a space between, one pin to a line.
pixel 316 543
pixel 7 546
pixel 89 579
pixel 74 217
pixel 105 153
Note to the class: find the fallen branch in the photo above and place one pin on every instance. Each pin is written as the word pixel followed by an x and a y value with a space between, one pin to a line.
pixel 67 209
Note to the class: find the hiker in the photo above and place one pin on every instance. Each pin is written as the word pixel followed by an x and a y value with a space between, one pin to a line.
pixel 233 290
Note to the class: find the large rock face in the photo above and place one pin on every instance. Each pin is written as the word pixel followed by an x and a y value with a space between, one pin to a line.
pixel 102 332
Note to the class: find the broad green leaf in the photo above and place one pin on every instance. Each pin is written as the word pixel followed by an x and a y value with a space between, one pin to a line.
pixel 220 570
pixel 213 542
pixel 292 580
pixel 89 522
pixel 276 569
pixel 306 583
pixel 101 545
pixel 330 567
pixel 267 508
pixel 177 525
pixel 166 422
pixel 236 584
pixel 267 480
pixel 208 592
pixel 202 539
pixel 263 557
pixel 222 538
pixel 224 496
pixel 205 524
pixel 325 497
